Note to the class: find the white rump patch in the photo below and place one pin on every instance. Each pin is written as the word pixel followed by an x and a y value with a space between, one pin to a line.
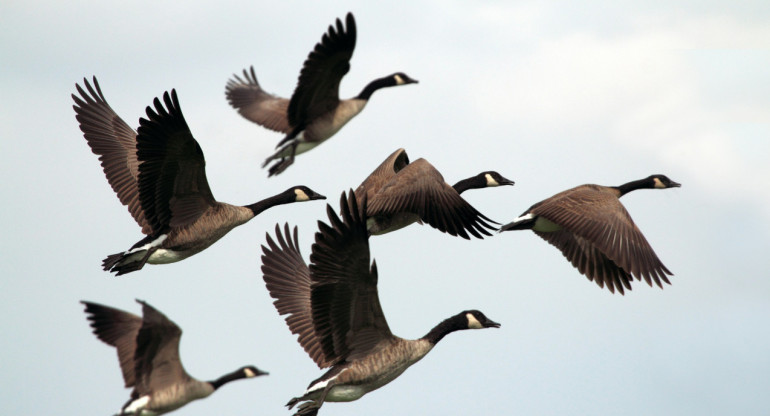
pixel 473 323
pixel 137 405
pixel 154 243
pixel 491 181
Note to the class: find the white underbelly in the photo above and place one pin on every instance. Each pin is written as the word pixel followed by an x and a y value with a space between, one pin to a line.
pixel 345 393
pixel 166 256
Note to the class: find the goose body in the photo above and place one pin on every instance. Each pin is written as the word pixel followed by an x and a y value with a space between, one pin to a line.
pixel 334 308
pixel 159 173
pixel 596 234
pixel 315 112
pixel 148 351
pixel 400 193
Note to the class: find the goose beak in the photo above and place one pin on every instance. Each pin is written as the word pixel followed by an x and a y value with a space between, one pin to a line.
pixel 675 185
pixel 317 196
pixel 490 324
pixel 505 181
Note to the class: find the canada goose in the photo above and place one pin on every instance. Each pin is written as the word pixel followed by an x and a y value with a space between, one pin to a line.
pixel 148 351
pixel 596 234
pixel 315 112
pixel 400 193
pixel 334 308
pixel 159 173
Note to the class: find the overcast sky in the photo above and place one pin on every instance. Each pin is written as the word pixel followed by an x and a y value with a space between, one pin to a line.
pixel 551 95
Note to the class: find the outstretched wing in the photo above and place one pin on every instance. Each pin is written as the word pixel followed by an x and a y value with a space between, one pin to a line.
pixel 119 329
pixel 347 314
pixel 420 189
pixel 605 237
pixel 255 104
pixel 157 352
pixel 172 175
pixel 317 90
pixel 115 142
pixel 287 278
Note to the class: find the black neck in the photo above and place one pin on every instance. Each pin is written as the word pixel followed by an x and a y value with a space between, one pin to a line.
pixel 374 86
pixel 259 207
pixel 470 183
pixel 448 325
pixel 634 185
pixel 235 375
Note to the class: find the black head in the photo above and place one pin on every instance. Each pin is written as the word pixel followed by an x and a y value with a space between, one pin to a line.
pixel 303 193
pixel 476 320
pixel 492 178
pixel 400 78
pixel 250 371
pixel 662 182
pixel 486 179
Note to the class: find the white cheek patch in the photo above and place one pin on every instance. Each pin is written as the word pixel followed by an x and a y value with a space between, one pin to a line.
pixel 301 195
pixel 249 373
pixel 473 323
pixel 399 80
pixel 658 183
pixel 491 181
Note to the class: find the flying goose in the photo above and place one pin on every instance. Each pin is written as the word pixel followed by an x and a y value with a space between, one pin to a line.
pixel 400 193
pixel 159 173
pixel 148 351
pixel 334 308
pixel 315 112
pixel 596 234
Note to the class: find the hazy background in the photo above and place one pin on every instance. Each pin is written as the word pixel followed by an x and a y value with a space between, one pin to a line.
pixel 551 95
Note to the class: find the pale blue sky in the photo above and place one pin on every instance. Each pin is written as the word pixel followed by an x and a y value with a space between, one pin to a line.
pixel 551 95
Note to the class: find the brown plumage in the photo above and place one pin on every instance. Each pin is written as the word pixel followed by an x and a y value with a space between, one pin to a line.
pixel 148 351
pixel 334 308
pixel 596 234
pixel 400 193
pixel 159 172
pixel 315 112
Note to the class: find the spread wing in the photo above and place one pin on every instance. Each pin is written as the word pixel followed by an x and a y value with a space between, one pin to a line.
pixel 605 237
pixel 347 314
pixel 287 278
pixel 115 142
pixel 420 189
pixel 382 175
pixel 255 104
pixel 172 174
pixel 332 305
pixel 157 352
pixel 317 89
pixel 118 329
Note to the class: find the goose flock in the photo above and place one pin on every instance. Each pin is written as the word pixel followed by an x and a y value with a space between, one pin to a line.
pixel 332 303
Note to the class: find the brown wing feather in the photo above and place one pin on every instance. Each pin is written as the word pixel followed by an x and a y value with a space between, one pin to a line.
pixel 589 261
pixel 118 329
pixel 172 175
pixel 420 189
pixel 382 174
pixel 115 142
pixel 317 90
pixel 595 215
pixel 257 105
pixel 157 352
pixel 332 305
pixel 287 278
pixel 347 313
